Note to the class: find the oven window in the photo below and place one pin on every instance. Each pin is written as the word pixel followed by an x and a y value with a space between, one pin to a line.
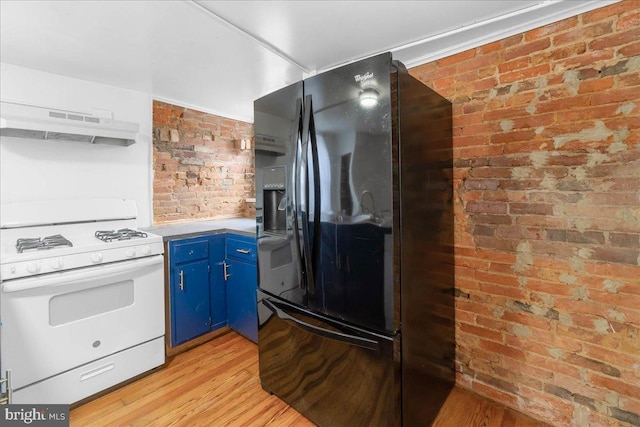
pixel 79 305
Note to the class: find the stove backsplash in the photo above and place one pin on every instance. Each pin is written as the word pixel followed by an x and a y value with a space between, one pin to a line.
pixel 46 169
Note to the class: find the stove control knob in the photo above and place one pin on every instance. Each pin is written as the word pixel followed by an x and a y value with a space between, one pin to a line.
pixel 146 250
pixel 32 267
pixel 56 263
pixel 130 252
pixel 95 258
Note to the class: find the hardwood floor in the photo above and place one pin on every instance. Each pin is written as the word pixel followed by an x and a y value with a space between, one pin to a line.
pixel 217 384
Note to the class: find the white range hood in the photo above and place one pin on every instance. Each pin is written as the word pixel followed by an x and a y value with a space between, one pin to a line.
pixel 34 122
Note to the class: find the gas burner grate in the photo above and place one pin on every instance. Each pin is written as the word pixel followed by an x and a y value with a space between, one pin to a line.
pixel 122 234
pixel 39 244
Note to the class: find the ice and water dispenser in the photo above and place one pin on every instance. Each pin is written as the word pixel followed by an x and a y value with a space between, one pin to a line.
pixel 275 199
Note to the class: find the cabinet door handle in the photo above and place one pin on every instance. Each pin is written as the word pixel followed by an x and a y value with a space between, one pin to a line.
pixel 224 270
pixel 181 284
pixel 243 251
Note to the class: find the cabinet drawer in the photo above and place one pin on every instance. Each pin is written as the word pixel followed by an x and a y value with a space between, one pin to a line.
pixel 190 250
pixel 237 249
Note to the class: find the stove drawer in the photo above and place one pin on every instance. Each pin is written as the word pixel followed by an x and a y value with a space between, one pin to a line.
pixel 77 384
pixel 189 250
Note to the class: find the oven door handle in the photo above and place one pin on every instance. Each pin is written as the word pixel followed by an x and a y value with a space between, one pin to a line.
pixel 80 275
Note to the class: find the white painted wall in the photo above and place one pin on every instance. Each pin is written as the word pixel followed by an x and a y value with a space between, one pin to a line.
pixel 44 170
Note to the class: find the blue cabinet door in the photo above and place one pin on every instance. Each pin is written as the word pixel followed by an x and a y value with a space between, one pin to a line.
pixel 190 306
pixel 241 298
pixel 218 290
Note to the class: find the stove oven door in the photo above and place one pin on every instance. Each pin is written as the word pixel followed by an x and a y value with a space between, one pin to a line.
pixel 56 322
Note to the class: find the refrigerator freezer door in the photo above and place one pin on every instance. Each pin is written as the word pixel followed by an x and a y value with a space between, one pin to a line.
pixel 349 128
pixel 278 124
pixel 333 374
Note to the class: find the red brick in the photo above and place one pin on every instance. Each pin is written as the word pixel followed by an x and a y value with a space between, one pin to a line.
pixel 515 64
pixel 523 74
pixel 477 62
pixel 629 21
pixel 586 32
pixel 530 208
pixel 504 196
pixel 551 29
pixel 615 95
pixel 596 85
pixel 527 49
pixel 618 299
pixel 560 105
pixel 529 320
pixel 487 207
pixel 556 54
pixel 579 386
pixel 515 232
pixel 621 360
pixel 499 279
pixel 618 39
pixel 502 350
pixel 454 59
pixel 588 114
pixel 481 332
pixel 632 49
pixel 473 140
pixel 520 99
pixel 495 243
pixel 603 13
pixel 505 113
pixel 478 151
pixel 473 306
pixel 496 256
pixel 494 394
pixel 613 384
pixel 630 404
pixel 514 136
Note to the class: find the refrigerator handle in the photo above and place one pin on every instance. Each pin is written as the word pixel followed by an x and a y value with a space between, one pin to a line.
pixel 325 333
pixel 303 188
pixel 295 214
pixel 315 166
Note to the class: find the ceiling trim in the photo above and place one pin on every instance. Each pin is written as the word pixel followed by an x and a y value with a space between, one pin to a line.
pixel 202 109
pixel 483 32
pixel 246 33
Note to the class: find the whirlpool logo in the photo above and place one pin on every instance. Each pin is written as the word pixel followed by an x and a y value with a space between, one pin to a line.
pixel 36 415
pixel 363 77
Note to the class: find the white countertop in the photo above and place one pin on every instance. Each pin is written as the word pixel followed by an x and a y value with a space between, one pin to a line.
pixel 244 226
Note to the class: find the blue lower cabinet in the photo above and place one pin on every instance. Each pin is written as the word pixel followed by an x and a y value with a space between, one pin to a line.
pixel 190 301
pixel 217 285
pixel 242 282
pixel 241 298
pixel 212 284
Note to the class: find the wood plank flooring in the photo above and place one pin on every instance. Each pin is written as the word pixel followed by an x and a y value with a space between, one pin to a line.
pixel 217 384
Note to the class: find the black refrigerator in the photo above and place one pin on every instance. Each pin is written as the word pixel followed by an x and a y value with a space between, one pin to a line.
pixel 355 246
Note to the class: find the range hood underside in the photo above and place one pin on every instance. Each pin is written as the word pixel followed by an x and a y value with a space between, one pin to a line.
pixel 32 122
pixel 63 136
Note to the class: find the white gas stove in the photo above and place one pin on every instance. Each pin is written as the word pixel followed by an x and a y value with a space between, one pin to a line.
pixel 80 284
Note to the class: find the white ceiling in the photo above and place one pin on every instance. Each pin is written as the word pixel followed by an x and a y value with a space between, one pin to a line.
pixel 218 56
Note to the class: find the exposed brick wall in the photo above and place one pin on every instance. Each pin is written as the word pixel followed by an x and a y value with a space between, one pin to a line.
pixel 199 171
pixel 547 169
